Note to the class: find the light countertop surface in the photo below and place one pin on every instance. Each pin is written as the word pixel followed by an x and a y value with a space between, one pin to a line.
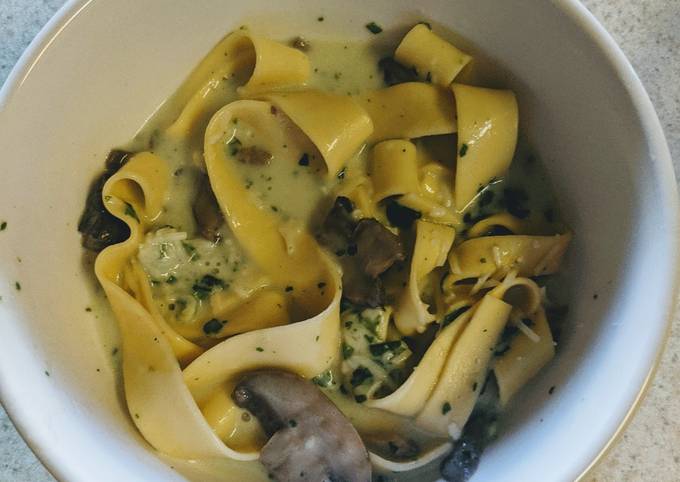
pixel 648 31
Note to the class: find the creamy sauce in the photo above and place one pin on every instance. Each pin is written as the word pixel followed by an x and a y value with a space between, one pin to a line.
pixel 295 186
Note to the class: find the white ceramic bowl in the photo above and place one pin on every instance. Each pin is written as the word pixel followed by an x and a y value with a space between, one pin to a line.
pixel 100 68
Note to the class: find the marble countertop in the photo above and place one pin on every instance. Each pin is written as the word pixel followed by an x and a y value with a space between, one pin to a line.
pixel 649 33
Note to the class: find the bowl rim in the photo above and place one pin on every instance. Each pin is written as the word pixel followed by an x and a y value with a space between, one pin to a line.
pixel 660 162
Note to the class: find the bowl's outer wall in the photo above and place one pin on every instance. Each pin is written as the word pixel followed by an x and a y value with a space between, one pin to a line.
pixel 101 68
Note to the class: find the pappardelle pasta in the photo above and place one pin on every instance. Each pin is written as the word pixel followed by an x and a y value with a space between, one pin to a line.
pixel 325 269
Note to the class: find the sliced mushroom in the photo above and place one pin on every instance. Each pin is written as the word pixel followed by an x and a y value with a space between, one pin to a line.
pixel 254 155
pixel 207 212
pixel 377 247
pixel 98 227
pixel 311 440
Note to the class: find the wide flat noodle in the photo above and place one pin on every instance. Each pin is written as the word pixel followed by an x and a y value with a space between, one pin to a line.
pixel 496 255
pixel 525 358
pixel 433 242
pixel 434 58
pixel 265 64
pixel 336 124
pixel 159 402
pixel 505 220
pixel 255 227
pixel 266 348
pixel 487 136
pixel 394 170
pixel 449 407
pixel 409 110
pixel 411 396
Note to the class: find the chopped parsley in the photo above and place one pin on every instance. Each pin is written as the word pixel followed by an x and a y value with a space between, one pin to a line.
pixel 446 408
pixel 347 351
pixel 205 286
pixel 3 225
pixel 130 211
pixel 17 285
pixel 463 150
pixel 234 146
pixel 260 349
pixel 213 326
pixel 360 375
pixel 379 349
pixel 325 379
pixel 292 423
pixel 374 28
pixel 289 289
pixel 304 160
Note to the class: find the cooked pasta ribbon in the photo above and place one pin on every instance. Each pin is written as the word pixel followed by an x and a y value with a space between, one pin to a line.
pixel 394 169
pixel 487 136
pixel 432 245
pixel 525 358
pixel 504 220
pixel 266 65
pixel 498 255
pixel 450 404
pixel 336 124
pixel 412 395
pixel 253 224
pixel 434 58
pixel 409 110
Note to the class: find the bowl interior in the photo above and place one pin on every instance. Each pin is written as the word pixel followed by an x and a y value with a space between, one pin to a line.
pixel 104 67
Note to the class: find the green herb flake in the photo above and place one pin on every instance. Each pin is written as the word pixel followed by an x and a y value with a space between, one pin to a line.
pixel 205 286
pixel 213 326
pixel 130 211
pixel 47 373
pixel 289 289
pixel 463 150
pixel 260 349
pixel 324 379
pixel 17 285
pixel 171 280
pixel 374 28
pixel 347 351
pixel 360 375
pixel 3 225
pixel 446 408
pixel 234 146
pixel 88 309
pixel 304 160
pixel 320 19
pixel 292 423
pixel 360 398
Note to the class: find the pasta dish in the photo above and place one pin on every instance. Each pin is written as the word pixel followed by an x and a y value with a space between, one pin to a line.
pixel 328 262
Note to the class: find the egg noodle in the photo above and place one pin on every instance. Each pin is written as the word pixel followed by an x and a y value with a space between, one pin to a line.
pixel 270 291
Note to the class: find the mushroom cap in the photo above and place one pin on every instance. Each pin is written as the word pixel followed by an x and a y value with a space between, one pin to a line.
pixel 310 439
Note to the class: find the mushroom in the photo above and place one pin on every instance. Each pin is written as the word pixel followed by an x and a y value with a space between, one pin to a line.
pixel 100 228
pixel 377 247
pixel 310 439
pixel 207 212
